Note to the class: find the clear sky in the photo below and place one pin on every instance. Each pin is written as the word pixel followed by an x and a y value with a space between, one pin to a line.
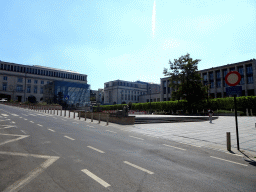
pixel 126 39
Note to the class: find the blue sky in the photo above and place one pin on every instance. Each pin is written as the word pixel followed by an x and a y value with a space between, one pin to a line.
pixel 127 40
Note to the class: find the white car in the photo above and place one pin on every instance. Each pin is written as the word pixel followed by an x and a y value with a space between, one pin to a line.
pixel 2 100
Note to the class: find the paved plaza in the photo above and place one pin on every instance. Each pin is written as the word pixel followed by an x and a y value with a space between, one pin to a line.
pixel 205 134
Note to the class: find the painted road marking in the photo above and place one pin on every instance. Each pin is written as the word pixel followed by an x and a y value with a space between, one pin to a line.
pixel 99 180
pixel 25 119
pixel 136 137
pixel 51 130
pixel 31 175
pixel 136 166
pixel 20 117
pixel 13 122
pixel 234 154
pixel 111 131
pixel 23 131
pixel 5 115
pixel 174 147
pixel 96 149
pixel 15 115
pixel 12 140
pixel 31 121
pixel 69 138
pixel 228 161
pixel 40 125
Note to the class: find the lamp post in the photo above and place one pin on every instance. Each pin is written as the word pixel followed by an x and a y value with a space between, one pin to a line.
pixel 150 99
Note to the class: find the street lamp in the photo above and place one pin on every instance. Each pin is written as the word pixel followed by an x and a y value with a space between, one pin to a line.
pixel 150 98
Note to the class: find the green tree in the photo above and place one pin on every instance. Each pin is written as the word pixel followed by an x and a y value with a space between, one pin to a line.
pixel 185 81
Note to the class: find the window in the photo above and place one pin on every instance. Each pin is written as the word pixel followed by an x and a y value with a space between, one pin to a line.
pixel 29 80
pixel 211 75
pixel 218 74
pixel 125 97
pixel 242 81
pixel 218 83
pixel 19 88
pixel 4 86
pixel 212 84
pixel 35 89
pixel 35 71
pixel 42 82
pixel 250 79
pixel 5 78
pixel 29 89
pixel 35 81
pixel 20 79
pixel 225 72
pixel 241 70
pixel 42 90
pixel 249 69
pixel 232 69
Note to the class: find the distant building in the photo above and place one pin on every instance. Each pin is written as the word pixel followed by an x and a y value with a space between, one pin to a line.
pixel 37 83
pixel 124 92
pixel 215 78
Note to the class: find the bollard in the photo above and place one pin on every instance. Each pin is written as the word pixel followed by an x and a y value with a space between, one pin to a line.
pixel 54 111
pixel 65 113
pixel 69 114
pixel 251 112
pixel 85 116
pixel 99 118
pixel 51 111
pixel 92 118
pixel 48 110
pixel 247 113
pixel 57 112
pixel 107 120
pixel 61 112
pixel 74 114
pixel 228 142
pixel 79 113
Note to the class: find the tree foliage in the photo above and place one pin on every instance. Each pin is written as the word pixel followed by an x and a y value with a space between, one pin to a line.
pixel 185 81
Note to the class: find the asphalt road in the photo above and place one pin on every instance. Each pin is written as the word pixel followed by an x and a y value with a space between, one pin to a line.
pixel 44 152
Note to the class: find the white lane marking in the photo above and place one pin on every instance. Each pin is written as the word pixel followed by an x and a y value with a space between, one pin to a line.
pixel 96 149
pixel 25 119
pixel 192 145
pixel 174 147
pixel 23 131
pixel 12 140
pixel 31 121
pixel 13 122
pixel 40 125
pixel 51 130
pixel 20 117
pixel 136 137
pixel 8 126
pixel 136 166
pixel 228 161
pixel 14 114
pixel 5 115
pixel 69 138
pixel 31 175
pixel 234 154
pixel 111 131
pixel 99 180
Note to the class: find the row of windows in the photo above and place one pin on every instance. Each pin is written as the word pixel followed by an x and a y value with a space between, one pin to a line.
pixel 31 70
pixel 20 80
pixel 225 72
pixel 218 82
pixel 123 84
pixel 19 88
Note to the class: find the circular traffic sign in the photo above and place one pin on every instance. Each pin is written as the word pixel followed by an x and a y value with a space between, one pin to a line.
pixel 233 78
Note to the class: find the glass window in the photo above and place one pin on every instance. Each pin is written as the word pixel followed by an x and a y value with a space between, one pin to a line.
pixel 205 77
pixel 250 79
pixel 5 78
pixel 232 69
pixel 241 70
pixel 42 82
pixel 19 88
pixel 219 83
pixel 4 86
pixel 212 84
pixel 225 72
pixel 249 69
pixel 211 75
pixel 20 79
pixel 28 89
pixel 217 74
pixel 242 81
pixel 29 80
pixel 35 81
pixel 42 90
pixel 35 89
pixel 125 97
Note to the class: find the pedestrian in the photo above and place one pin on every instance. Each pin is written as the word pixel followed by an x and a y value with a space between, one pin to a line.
pixel 210 115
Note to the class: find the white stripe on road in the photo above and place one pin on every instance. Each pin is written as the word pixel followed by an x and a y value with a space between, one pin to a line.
pixel 96 149
pixel 31 121
pixel 51 130
pixel 20 117
pixel 23 131
pixel 228 161
pixel 13 122
pixel 136 137
pixel 40 125
pixel 69 138
pixel 5 115
pixel 99 180
pixel 25 119
pixel 234 154
pixel 136 166
pixel 111 131
pixel 174 147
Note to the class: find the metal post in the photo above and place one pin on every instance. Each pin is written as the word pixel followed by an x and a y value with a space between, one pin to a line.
pixel 237 136
pixel 69 114
pixel 228 141
pixel 54 111
pixel 79 113
pixel 48 110
pixel 61 112
pixel 107 119
pixel 57 111
pixel 65 113
pixel 74 114
pixel 85 116
pixel 92 117
pixel 99 118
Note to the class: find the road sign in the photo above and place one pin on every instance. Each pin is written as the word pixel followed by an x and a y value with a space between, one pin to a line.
pixel 66 97
pixel 233 78
pixel 234 90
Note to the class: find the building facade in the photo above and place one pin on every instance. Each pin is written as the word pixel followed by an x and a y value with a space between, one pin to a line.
pixel 124 92
pixel 215 79
pixel 37 83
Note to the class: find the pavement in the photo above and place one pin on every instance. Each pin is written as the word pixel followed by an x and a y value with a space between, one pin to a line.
pixel 205 134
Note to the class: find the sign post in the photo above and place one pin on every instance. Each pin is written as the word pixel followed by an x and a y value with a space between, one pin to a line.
pixel 232 79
